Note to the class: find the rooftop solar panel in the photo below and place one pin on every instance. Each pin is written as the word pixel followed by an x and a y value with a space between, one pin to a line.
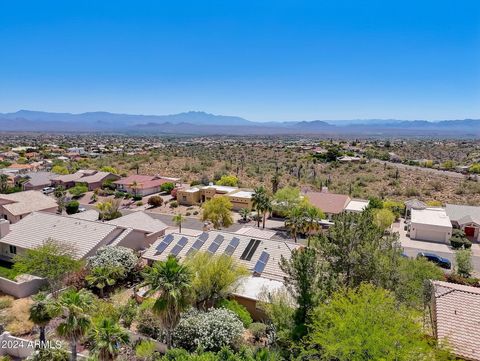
pixel 164 244
pixel 179 246
pixel 261 263
pixel 197 244
pixel 232 246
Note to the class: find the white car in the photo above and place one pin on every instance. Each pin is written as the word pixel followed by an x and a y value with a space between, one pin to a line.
pixel 48 190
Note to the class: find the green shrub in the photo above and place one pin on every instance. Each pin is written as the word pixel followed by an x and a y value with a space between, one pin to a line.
pixel 72 207
pixel 137 198
pixel 258 330
pixel 155 201
pixel 459 239
pixel 167 187
pixel 139 203
pixel 173 204
pixel 5 302
pixel 238 309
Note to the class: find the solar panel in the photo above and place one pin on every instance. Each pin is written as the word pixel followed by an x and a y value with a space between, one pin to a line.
pixel 164 244
pixel 232 246
pixel 198 243
pixel 215 244
pixel 179 246
pixel 261 263
pixel 250 250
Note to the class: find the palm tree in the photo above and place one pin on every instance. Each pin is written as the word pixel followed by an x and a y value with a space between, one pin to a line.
pixel 295 221
pixel 106 338
pixel 101 277
pixel 245 213
pixel 42 311
pixel 258 197
pixel 312 218
pixel 172 282
pixel 76 322
pixel 3 183
pixel 134 186
pixel 178 219
pixel 266 206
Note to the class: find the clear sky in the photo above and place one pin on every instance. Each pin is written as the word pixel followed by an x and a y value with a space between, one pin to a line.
pixel 260 59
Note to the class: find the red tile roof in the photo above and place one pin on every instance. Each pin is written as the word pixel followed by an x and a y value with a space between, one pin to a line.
pixel 328 202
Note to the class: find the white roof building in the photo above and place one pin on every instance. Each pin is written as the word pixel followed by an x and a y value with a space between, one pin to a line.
pixel 430 224
pixel 357 205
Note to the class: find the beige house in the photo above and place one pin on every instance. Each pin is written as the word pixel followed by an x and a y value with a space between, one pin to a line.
pixel 260 256
pixel 240 198
pixel 15 206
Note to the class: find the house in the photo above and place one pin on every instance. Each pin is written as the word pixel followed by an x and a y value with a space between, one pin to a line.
pixel 357 205
pixel 240 198
pixel 24 168
pixel 330 203
pixel 16 206
pixel 85 236
pixel 260 256
pixel 95 180
pixel 456 318
pixel 35 180
pixel 430 224
pixel 142 185
pixel 69 180
pixel 466 218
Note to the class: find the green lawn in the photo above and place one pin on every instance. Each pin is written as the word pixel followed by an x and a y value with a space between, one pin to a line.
pixel 7 272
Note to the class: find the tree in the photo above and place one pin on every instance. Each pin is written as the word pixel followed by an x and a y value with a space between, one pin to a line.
pixel 49 354
pixel 383 218
pixel 258 198
pixel 178 220
pixel 78 191
pixel 413 274
pixel 101 277
pixel 72 207
pixel 215 277
pixel 109 209
pixel 42 311
pixel 172 282
pixel 114 257
pixel 134 186
pixel 309 281
pixel 365 324
pixel 60 195
pixel 286 199
pixel 155 201
pixel 52 260
pixel 312 217
pixel 75 306
pixel 59 169
pixel 359 251
pixel 167 187
pixel 245 213
pixel 463 259
pixel 3 183
pixel 228 180
pixel 295 221
pixel 109 169
pixel 474 168
pixel 106 337
pixel 218 211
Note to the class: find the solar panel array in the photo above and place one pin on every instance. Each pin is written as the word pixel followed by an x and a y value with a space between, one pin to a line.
pixel 232 246
pixel 198 243
pixel 261 263
pixel 164 244
pixel 182 242
pixel 215 244
pixel 250 250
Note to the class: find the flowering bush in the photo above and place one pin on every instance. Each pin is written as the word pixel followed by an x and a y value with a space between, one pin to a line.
pixel 209 330
pixel 114 257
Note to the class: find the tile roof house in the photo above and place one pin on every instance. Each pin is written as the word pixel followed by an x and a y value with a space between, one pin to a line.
pixel 68 180
pixel 456 318
pixel 142 185
pixel 15 206
pixel 36 180
pixel 466 218
pixel 240 198
pixel 330 203
pixel 84 235
pixel 260 256
pixel 96 180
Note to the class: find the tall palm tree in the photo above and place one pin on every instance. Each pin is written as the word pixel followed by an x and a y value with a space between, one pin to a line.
pixel 178 219
pixel 106 337
pixel 312 217
pixel 171 281
pixel 76 322
pixel 134 186
pixel 295 221
pixel 266 207
pixel 42 311
pixel 258 198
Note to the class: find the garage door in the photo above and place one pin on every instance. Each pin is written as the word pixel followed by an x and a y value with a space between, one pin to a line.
pixel 430 235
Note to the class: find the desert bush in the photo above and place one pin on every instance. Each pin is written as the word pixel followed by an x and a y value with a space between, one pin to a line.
pixel 5 302
pixel 209 330
pixel 238 309
pixel 19 323
pixel 155 201
pixel 258 330
pixel 114 257
pixel 459 239
pixel 173 204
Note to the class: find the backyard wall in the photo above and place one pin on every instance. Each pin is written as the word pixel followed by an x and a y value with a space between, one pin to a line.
pixel 24 288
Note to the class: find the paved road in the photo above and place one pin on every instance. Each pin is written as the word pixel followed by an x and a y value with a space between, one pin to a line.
pixel 423 169
pixel 412 252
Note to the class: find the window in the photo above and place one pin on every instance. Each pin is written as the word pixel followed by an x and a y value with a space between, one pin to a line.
pixel 184 198
pixel 13 249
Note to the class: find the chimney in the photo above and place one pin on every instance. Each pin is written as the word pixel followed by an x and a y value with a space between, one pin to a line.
pixel 4 227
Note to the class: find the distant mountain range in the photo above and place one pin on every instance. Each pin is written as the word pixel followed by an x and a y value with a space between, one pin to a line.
pixel 201 123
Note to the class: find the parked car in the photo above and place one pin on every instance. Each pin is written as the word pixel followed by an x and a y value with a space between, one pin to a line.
pixel 439 261
pixel 48 190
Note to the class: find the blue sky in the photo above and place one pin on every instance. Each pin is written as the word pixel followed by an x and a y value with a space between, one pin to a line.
pixel 263 60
